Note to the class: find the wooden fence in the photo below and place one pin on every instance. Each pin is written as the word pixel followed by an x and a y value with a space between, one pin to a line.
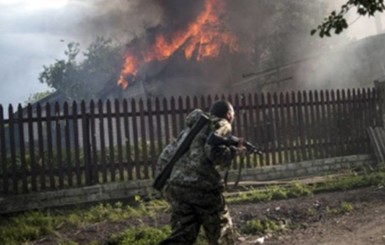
pixel 50 147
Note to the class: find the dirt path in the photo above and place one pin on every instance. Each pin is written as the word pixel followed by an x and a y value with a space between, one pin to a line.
pixel 314 220
pixel 364 225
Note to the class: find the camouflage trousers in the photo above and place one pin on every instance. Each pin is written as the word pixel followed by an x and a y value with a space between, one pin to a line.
pixel 195 209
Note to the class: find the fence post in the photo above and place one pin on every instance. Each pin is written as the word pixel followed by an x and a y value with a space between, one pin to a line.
pixel 86 144
pixel 380 90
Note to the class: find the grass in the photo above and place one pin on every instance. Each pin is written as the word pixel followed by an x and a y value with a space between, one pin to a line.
pixel 30 226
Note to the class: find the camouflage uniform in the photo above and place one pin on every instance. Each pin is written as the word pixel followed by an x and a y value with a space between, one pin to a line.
pixel 195 189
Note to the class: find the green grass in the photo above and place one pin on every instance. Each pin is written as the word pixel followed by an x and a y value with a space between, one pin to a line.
pixel 296 189
pixel 30 226
pixel 140 236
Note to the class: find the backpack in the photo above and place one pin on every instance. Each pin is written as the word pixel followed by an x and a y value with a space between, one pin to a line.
pixel 195 121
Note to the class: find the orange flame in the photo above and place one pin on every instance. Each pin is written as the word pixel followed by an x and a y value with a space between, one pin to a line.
pixel 205 35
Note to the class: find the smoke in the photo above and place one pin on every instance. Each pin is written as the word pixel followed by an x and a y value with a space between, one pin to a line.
pixel 270 35
pixel 33 37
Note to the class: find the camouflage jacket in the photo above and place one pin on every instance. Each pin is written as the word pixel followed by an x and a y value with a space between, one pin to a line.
pixel 198 168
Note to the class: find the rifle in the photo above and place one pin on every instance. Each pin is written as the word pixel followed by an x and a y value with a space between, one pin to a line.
pixel 214 139
pixel 161 180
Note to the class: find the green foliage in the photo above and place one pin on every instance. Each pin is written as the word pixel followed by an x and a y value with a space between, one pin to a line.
pixel 273 192
pixel 345 207
pixel 261 227
pixel 38 96
pixel 26 227
pixel 140 236
pixel 30 226
pixel 82 80
pixel 296 189
pixel 337 22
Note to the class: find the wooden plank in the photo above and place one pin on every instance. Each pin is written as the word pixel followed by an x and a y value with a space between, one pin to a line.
pixel 127 138
pixel 67 137
pixel 75 129
pixel 366 120
pixel 159 131
pixel 306 122
pixel 136 141
pixel 59 150
pixel 251 127
pixel 301 127
pixel 22 151
pixel 119 140
pixel 50 159
pixel 356 122
pixel 3 152
pixel 182 115
pixel 350 119
pixel 290 128
pixel 86 142
pixel 337 107
pixel 151 133
pixel 325 129
pixel 12 142
pixel 272 130
pixel 42 157
pixel 102 140
pixel 283 128
pixel 238 125
pixel 31 140
pixel 345 124
pixel 143 135
pixel 265 131
pixel 110 141
pixel 312 122
pixel 94 170
pixel 174 123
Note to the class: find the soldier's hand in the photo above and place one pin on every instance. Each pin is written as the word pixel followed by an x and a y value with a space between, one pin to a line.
pixel 241 150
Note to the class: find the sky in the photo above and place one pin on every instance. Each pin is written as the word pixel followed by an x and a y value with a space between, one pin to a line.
pixel 34 33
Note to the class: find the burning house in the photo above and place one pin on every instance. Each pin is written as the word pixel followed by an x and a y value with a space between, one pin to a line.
pixel 192 55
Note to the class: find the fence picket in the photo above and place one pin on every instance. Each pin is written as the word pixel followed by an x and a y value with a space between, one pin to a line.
pixel 111 152
pixel 31 141
pixel 22 152
pixel 129 166
pixel 136 141
pixel 3 152
pixel 289 127
pixel 42 157
pixel 93 148
pixel 151 134
pixel 119 139
pixel 76 142
pixel 67 138
pixel 143 129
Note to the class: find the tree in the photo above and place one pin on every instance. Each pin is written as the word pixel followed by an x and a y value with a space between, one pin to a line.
pixel 37 96
pixel 83 80
pixel 337 22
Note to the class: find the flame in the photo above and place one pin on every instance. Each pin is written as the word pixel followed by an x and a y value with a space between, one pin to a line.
pixel 205 36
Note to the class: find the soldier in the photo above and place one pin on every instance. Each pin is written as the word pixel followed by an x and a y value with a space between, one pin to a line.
pixel 195 187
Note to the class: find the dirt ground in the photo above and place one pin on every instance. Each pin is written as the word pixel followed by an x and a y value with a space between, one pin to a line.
pixel 364 225
pixel 310 220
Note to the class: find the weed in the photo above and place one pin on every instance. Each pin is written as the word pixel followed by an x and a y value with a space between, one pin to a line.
pixel 140 236
pixel 261 227
pixel 26 227
pixel 345 207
